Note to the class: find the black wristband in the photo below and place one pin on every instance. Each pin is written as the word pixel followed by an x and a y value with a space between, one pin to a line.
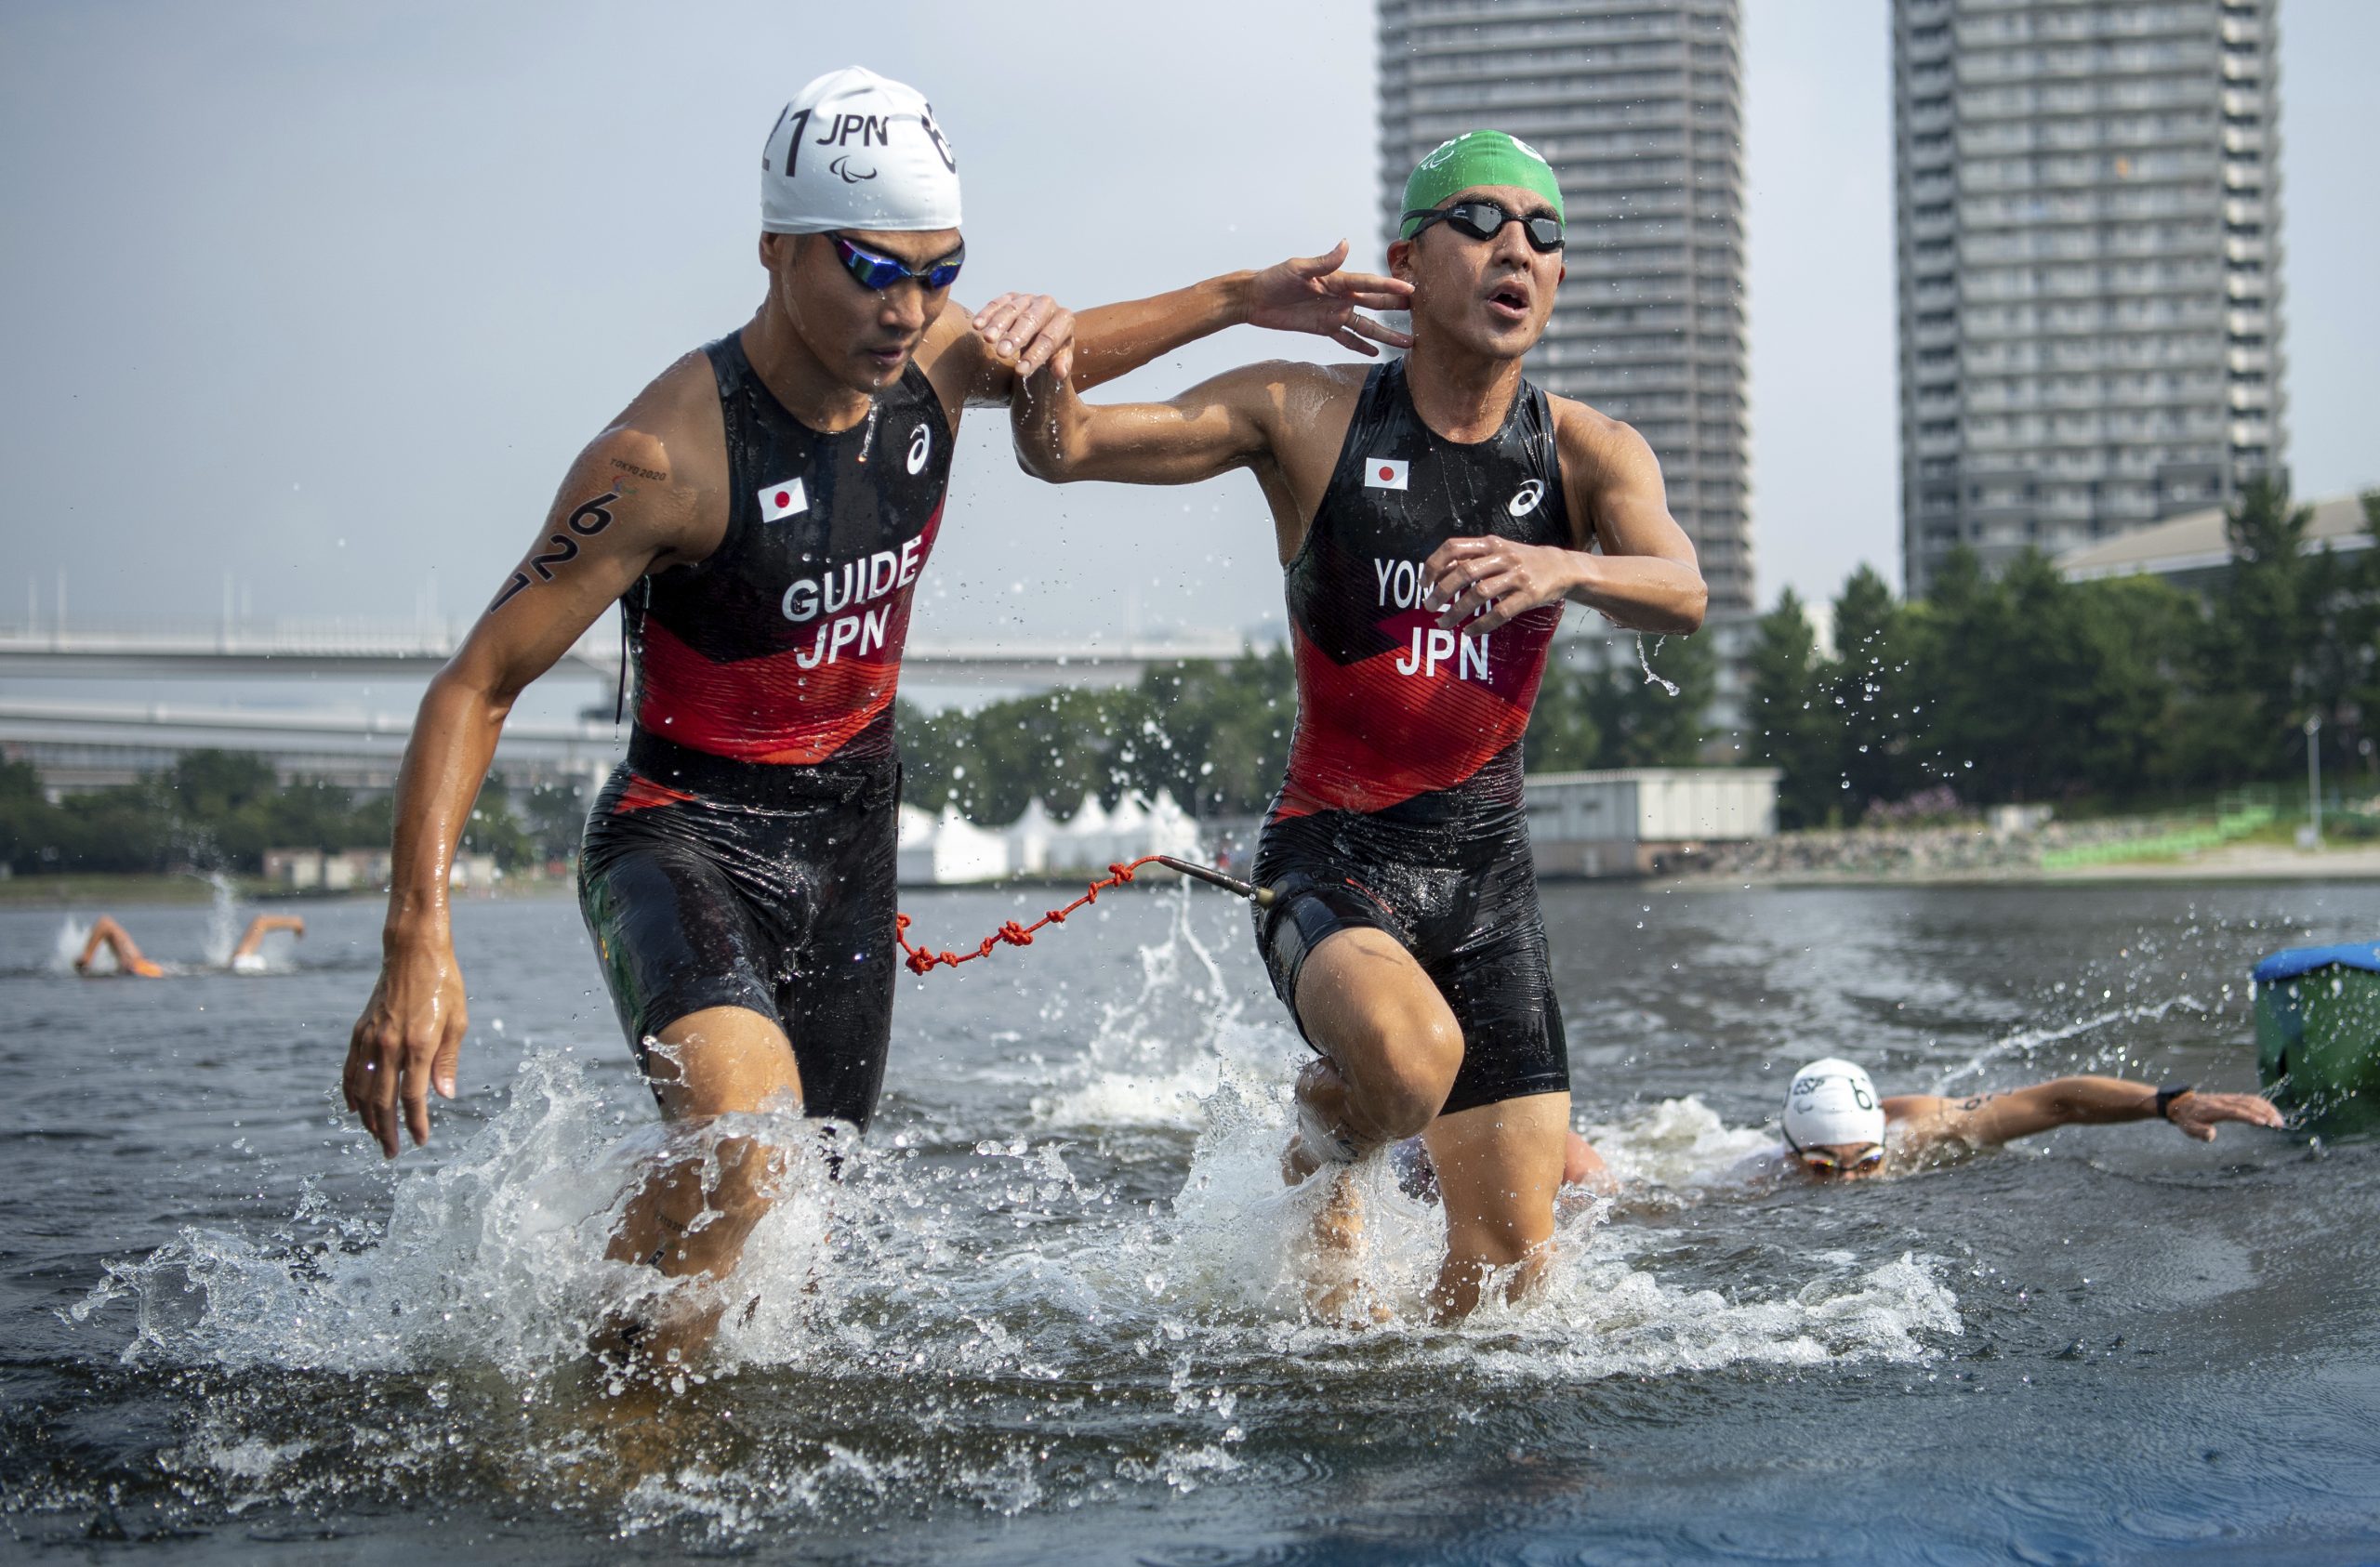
pixel 2166 1097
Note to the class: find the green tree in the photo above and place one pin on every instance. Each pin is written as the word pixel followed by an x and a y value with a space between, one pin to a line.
pixel 27 823
pixel 494 829
pixel 1872 695
pixel 1650 714
pixel 2264 624
pixel 554 814
pixel 1217 737
pixel 1795 724
pixel 1561 736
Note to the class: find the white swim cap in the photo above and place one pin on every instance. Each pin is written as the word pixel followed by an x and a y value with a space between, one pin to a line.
pixel 1831 1102
pixel 855 150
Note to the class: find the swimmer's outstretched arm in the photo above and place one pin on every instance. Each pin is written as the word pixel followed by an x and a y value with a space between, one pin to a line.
pixel 1016 333
pixel 106 932
pixel 263 926
pixel 632 504
pixel 1989 1120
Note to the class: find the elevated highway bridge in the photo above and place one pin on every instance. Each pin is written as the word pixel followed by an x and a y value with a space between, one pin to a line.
pixel 331 651
pixel 79 744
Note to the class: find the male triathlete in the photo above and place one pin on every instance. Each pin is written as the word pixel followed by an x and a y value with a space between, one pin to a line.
pixel 1433 515
pixel 761 512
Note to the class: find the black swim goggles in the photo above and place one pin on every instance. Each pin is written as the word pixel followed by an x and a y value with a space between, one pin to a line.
pixel 1484 220
pixel 871 270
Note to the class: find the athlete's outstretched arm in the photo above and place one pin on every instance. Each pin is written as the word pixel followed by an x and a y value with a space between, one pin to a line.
pixel 1014 334
pixel 1646 578
pixel 620 513
pixel 1215 427
pixel 1989 1120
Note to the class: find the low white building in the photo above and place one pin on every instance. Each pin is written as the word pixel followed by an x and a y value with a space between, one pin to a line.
pixel 310 870
pixel 1634 822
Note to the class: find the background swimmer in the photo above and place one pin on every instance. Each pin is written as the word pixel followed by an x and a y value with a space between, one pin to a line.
pixel 1836 1127
pixel 247 958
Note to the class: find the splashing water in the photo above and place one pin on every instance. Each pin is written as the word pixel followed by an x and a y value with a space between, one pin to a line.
pixel 222 920
pixel 67 945
pixel 1645 663
pixel 2025 1043
pixel 1138 1069
pixel 1009 1322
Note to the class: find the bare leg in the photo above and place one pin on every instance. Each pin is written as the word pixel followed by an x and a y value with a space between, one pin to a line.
pixel 116 938
pixel 1390 1043
pixel 1391 1048
pixel 1499 1166
pixel 693 1213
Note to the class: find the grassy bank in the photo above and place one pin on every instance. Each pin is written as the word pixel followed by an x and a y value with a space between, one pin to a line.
pixel 103 889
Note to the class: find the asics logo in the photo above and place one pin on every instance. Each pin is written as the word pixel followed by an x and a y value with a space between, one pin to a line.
pixel 920 442
pixel 1525 499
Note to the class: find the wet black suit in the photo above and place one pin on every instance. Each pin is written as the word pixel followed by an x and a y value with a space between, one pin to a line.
pixel 744 854
pixel 1402 807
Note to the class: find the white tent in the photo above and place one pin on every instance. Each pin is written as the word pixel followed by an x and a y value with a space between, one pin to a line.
pixel 1128 828
pixel 1083 842
pixel 951 850
pixel 1172 830
pixel 1029 838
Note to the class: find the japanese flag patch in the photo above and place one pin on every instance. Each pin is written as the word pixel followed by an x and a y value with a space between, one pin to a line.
pixel 1384 473
pixel 782 500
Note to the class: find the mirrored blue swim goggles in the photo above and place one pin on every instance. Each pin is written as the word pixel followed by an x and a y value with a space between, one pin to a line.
pixel 871 270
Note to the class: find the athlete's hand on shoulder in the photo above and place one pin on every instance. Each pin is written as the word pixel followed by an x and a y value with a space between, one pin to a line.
pixel 406 1042
pixel 1310 294
pixel 1023 332
pixel 2198 1115
pixel 1496 579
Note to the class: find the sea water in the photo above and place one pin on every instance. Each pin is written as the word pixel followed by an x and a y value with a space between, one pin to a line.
pixel 1053 1304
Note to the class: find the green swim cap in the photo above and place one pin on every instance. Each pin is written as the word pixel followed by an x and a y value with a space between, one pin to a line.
pixel 1479 157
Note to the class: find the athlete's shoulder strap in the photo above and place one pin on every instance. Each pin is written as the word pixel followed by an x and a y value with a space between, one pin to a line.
pixel 918 386
pixel 1544 446
pixel 1536 412
pixel 1376 406
pixel 731 368
pixel 1383 397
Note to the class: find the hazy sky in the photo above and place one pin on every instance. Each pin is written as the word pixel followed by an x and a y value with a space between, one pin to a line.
pixel 326 296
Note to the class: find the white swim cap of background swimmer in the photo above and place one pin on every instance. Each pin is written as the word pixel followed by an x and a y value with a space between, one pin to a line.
pixel 856 151
pixel 1832 1102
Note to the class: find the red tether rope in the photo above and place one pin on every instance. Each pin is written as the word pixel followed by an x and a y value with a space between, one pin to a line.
pixel 923 962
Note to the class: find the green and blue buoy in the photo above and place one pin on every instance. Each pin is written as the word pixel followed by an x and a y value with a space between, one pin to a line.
pixel 2318 1034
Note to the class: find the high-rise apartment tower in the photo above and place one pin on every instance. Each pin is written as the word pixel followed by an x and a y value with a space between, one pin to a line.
pixel 2089 231
pixel 1638 105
